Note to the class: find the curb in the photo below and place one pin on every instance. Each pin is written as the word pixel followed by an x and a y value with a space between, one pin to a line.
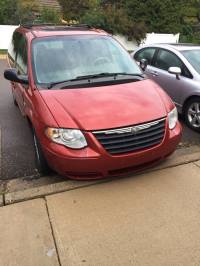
pixel 197 163
pixel 1 200
pixel 184 159
pixel 42 191
pixel 38 192
pixel 0 152
pixel 1 195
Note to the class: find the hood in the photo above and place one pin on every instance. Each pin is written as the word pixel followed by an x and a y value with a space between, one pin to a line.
pixel 105 107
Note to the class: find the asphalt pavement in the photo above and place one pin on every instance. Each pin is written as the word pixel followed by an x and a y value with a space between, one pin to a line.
pixel 18 159
pixel 17 149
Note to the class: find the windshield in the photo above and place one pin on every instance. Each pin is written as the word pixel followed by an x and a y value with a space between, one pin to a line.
pixel 193 56
pixel 64 58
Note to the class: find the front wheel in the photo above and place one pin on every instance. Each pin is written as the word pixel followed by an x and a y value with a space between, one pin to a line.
pixel 41 162
pixel 192 113
pixel 14 99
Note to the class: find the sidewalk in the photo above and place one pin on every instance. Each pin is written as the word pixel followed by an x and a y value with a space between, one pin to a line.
pixel 149 219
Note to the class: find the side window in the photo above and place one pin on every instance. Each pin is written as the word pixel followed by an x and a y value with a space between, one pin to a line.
pixel 146 53
pixel 12 50
pixel 166 59
pixel 21 62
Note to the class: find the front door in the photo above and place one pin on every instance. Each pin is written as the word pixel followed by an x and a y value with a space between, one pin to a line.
pixel 169 82
pixel 21 66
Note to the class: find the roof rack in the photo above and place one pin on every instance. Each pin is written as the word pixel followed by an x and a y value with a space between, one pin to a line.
pixel 30 25
pixel 52 26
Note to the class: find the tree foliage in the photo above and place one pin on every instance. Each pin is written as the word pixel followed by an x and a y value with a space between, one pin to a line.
pixel 158 16
pixel 114 20
pixel 133 18
pixel 27 10
pixel 49 16
pixel 74 9
pixel 8 12
pixel 108 15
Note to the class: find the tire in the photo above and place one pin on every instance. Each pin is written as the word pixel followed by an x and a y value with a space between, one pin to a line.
pixel 192 113
pixel 41 162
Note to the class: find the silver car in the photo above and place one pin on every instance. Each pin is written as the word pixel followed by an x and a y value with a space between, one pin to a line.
pixel 176 68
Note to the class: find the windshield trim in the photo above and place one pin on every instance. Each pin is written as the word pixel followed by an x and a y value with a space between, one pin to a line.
pixel 89 79
pixel 102 82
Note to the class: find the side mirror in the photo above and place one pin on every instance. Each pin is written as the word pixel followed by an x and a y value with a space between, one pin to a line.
pixel 175 70
pixel 11 74
pixel 143 64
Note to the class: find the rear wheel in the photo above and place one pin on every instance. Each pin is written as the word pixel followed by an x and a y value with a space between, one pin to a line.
pixel 192 113
pixel 41 162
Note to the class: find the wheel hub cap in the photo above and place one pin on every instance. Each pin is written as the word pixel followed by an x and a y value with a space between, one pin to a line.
pixel 194 115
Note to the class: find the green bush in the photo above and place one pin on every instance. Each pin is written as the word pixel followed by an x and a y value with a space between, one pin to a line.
pixel 8 12
pixel 114 21
pixel 49 16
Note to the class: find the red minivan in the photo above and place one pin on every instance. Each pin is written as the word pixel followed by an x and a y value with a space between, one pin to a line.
pixel 92 111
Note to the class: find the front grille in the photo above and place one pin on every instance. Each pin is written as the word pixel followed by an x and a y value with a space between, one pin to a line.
pixel 134 138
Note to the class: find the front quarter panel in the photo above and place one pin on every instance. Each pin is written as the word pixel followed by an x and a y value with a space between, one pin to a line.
pixel 169 105
pixel 39 114
pixel 190 88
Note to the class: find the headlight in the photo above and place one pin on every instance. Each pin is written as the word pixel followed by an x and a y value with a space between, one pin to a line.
pixel 173 118
pixel 72 138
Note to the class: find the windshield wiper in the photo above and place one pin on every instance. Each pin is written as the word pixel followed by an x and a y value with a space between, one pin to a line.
pixel 108 74
pixel 53 84
pixel 93 76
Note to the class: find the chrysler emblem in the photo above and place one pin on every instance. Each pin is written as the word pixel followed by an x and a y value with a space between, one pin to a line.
pixel 134 130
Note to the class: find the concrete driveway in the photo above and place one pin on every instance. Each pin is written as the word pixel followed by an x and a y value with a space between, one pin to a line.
pixel 146 220
pixel 17 144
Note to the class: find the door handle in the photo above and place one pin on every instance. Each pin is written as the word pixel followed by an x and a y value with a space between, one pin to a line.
pixel 154 73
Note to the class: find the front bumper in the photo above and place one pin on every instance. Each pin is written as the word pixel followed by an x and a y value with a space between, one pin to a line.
pixel 94 162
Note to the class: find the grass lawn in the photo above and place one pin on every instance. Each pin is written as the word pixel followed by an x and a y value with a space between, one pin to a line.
pixel 3 52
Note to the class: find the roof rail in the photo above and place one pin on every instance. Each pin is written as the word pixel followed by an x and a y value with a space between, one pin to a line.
pixel 30 25
pixel 178 44
pixel 53 26
pixel 184 44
